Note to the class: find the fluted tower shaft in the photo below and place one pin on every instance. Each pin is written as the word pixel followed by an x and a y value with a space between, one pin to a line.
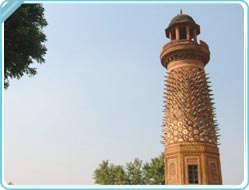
pixel 190 129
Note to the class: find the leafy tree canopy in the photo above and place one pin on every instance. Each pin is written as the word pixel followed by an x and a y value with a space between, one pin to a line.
pixel 154 171
pixel 133 173
pixel 24 41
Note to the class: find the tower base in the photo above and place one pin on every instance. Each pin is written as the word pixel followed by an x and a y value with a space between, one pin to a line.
pixel 192 163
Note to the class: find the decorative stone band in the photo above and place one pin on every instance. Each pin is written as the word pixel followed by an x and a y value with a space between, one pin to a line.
pixel 193 147
pixel 185 63
pixel 184 50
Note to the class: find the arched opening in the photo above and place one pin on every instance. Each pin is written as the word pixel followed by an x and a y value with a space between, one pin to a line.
pixel 173 35
pixel 191 34
pixel 183 33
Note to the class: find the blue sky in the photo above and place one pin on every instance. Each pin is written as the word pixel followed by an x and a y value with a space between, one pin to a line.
pixel 99 94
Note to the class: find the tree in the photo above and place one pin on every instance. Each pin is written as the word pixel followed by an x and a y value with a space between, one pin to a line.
pixel 154 171
pixel 24 41
pixel 119 176
pixel 134 173
pixel 109 174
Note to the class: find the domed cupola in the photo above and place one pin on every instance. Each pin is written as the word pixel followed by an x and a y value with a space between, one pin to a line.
pixel 182 27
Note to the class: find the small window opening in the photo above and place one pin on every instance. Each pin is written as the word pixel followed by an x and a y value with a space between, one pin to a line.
pixel 191 33
pixel 192 174
pixel 173 35
pixel 183 34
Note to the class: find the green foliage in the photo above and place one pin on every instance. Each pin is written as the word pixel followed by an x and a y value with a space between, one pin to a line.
pixel 154 171
pixel 23 41
pixel 109 174
pixel 134 173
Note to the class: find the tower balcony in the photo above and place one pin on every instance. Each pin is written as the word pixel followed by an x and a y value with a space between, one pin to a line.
pixel 184 50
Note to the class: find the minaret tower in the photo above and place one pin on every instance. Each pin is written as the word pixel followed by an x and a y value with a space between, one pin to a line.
pixel 190 130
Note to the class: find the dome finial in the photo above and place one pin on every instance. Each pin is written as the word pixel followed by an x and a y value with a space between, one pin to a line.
pixel 180 11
